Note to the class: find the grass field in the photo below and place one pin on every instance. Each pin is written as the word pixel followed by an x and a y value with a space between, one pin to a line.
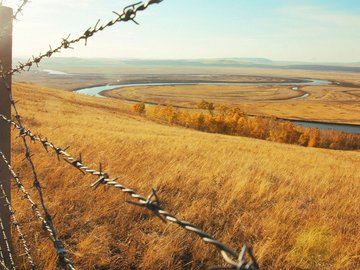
pixel 325 103
pixel 328 103
pixel 298 207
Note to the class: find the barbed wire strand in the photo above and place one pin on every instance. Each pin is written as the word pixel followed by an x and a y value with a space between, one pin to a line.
pixel 16 224
pixel 28 155
pixel 152 202
pixel 20 8
pixel 2 263
pixel 7 245
pixel 129 14
pixel 2 259
pixel 64 259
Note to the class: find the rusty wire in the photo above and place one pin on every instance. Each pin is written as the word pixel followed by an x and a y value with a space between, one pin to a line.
pixel 151 202
pixel 28 157
pixel 7 245
pixel 129 14
pixel 16 224
pixel 2 259
pixel 20 8
pixel 64 259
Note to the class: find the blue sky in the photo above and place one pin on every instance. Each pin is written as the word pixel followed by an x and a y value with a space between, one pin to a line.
pixel 308 30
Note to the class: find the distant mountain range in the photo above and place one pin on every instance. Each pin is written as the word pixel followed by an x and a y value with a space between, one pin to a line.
pixel 62 62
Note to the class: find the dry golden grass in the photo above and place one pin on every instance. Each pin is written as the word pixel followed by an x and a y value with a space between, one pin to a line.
pixel 298 207
pixel 329 103
pixel 190 95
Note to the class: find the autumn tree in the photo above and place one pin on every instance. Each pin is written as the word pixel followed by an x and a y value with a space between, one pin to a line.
pixel 205 105
pixel 223 109
pixel 314 135
pixel 139 108
pixel 232 121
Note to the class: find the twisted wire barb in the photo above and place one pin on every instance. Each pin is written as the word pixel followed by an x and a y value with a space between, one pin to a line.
pixel 61 251
pixel 129 14
pixel 20 8
pixel 2 259
pixel 151 203
pixel 28 155
pixel 7 244
pixel 2 263
pixel 16 224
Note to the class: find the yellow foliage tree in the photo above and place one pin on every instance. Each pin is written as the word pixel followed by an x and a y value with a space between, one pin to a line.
pixel 205 105
pixel 139 108
pixel 233 121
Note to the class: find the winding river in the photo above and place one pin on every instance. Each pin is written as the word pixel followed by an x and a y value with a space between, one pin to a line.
pixel 97 90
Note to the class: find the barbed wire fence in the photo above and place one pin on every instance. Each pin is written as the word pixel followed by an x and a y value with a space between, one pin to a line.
pixel 20 8
pixel 234 260
pixel 16 224
pixel 7 244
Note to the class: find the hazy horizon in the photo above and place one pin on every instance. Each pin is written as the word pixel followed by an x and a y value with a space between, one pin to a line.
pixel 315 31
pixel 59 56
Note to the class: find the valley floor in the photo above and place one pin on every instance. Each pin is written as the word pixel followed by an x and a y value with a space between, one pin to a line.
pixel 297 207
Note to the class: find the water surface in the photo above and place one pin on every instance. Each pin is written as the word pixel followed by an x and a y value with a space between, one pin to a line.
pixel 55 72
pixel 96 91
pixel 355 129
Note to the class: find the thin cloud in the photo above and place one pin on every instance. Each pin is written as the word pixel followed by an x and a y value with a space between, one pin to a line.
pixel 317 14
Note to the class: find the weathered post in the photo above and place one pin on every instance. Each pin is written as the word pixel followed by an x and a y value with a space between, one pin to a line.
pixel 5 109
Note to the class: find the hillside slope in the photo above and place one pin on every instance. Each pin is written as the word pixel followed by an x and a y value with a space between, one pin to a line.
pixel 298 207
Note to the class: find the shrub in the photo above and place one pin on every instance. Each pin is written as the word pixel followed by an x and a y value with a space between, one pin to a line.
pixel 139 108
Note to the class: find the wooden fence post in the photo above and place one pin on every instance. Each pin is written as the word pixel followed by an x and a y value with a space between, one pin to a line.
pixel 6 18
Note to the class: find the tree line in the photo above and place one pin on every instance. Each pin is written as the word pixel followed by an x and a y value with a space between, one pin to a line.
pixel 233 121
